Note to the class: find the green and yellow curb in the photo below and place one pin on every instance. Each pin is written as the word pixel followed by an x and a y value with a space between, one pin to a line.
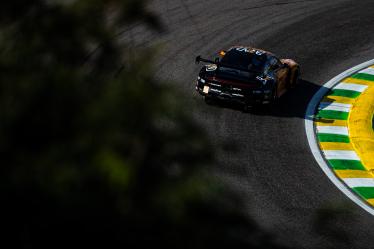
pixel 344 133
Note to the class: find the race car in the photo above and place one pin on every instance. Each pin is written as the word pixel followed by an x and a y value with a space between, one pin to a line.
pixel 246 75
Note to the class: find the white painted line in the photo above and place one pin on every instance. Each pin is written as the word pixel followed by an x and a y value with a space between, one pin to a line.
pixel 334 106
pixel 368 71
pixel 314 147
pixel 341 155
pixel 359 182
pixel 351 87
pixel 339 130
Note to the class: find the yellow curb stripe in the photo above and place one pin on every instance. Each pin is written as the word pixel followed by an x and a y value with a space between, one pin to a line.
pixel 338 99
pixel 360 127
pixel 331 122
pixel 353 174
pixel 370 201
pixel 357 81
pixel 335 146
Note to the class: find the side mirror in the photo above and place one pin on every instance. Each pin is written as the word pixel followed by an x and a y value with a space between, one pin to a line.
pixel 198 59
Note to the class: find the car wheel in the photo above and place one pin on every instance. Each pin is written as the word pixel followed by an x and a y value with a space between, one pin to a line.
pixel 274 98
pixel 208 100
pixel 295 78
pixel 247 108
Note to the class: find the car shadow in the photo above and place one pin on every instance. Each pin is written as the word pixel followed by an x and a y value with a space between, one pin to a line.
pixel 291 104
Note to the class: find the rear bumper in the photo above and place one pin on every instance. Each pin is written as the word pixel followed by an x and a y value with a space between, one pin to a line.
pixel 249 97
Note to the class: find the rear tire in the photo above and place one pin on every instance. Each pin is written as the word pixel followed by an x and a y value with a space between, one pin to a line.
pixel 208 100
pixel 247 108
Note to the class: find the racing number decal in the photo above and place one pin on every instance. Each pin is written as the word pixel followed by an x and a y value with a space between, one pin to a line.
pixel 247 50
pixel 242 49
pixel 210 68
pixel 206 89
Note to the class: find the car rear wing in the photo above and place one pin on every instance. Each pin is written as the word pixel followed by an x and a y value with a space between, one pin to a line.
pixel 199 59
pixel 219 64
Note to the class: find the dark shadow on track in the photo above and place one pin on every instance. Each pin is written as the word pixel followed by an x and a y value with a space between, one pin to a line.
pixel 292 104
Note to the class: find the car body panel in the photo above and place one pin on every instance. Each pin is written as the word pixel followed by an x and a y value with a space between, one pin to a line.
pixel 246 75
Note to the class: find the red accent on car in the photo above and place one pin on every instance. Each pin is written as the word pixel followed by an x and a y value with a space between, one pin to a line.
pixel 233 83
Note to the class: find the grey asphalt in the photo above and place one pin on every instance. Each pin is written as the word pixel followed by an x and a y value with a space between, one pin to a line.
pixel 273 168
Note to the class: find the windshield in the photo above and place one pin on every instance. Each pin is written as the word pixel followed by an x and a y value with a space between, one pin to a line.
pixel 241 59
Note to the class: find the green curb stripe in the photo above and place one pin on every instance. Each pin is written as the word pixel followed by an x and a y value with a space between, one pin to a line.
pixel 332 115
pixel 333 138
pixel 365 192
pixel 346 164
pixel 363 76
pixel 344 93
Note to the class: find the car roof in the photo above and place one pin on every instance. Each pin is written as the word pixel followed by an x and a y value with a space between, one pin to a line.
pixel 252 49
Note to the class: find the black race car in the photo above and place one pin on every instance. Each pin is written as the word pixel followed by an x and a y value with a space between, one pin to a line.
pixel 246 75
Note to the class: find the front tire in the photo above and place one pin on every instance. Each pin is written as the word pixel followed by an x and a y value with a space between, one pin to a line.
pixel 295 78
pixel 275 97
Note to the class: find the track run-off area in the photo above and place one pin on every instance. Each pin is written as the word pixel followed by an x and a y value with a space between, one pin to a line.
pixel 266 155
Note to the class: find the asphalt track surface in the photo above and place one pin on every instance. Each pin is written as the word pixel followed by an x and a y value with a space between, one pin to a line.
pixel 273 167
